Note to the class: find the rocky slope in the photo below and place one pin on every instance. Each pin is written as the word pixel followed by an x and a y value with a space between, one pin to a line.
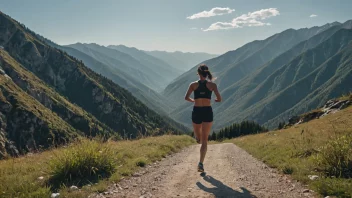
pixel 145 94
pixel 142 71
pixel 330 107
pixel 26 124
pixel 233 66
pixel 155 64
pixel 79 97
pixel 264 94
pixel 36 88
pixel 287 71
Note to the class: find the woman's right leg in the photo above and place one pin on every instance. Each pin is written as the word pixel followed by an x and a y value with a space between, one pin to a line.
pixel 197 123
pixel 197 128
pixel 206 127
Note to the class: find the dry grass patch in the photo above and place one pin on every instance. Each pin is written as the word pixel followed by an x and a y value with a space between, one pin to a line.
pixel 320 147
pixel 87 162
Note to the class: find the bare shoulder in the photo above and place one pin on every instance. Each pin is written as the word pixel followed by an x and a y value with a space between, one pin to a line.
pixel 212 84
pixel 194 84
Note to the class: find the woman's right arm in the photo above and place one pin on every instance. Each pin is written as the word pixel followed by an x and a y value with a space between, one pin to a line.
pixel 188 94
pixel 217 94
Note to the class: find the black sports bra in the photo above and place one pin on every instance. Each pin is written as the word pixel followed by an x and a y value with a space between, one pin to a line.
pixel 202 91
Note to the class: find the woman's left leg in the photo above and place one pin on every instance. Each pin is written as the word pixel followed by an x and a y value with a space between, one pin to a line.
pixel 197 128
pixel 206 127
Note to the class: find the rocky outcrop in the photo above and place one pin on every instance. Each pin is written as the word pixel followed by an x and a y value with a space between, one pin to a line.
pixel 33 86
pixel 25 124
pixel 331 106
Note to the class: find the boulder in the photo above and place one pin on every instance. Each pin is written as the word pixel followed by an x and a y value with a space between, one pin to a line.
pixel 55 195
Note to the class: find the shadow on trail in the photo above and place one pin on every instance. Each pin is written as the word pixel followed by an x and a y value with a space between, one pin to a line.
pixel 221 190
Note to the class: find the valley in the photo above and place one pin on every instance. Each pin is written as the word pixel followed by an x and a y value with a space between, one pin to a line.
pixel 105 115
pixel 88 103
pixel 311 68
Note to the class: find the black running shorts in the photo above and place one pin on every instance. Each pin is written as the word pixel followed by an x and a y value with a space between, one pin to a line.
pixel 202 114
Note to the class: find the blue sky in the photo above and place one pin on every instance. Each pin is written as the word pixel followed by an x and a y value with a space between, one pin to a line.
pixel 163 24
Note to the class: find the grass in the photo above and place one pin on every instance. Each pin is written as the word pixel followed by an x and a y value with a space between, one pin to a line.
pixel 36 85
pixel 82 163
pixel 346 96
pixel 320 147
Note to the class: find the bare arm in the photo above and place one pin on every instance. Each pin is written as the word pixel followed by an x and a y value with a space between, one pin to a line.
pixel 188 94
pixel 217 94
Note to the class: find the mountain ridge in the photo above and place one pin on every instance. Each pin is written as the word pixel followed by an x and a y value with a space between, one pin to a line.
pixel 236 64
pixel 159 65
pixel 181 60
pixel 110 104
pixel 299 80
pixel 235 94
pixel 285 57
pixel 139 90
pixel 149 74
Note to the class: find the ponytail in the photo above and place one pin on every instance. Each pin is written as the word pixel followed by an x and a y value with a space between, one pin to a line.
pixel 204 71
pixel 210 77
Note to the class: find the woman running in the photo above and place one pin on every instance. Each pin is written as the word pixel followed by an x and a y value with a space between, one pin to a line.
pixel 202 114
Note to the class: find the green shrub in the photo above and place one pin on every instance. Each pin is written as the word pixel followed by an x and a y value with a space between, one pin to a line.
pixel 334 187
pixel 84 162
pixel 141 162
pixel 287 170
pixel 335 158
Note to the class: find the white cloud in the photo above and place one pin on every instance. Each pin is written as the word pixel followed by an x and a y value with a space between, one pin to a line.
pixel 313 15
pixel 251 19
pixel 213 12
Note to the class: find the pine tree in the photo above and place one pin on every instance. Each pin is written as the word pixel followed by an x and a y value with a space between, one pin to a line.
pixel 239 129
pixel 213 136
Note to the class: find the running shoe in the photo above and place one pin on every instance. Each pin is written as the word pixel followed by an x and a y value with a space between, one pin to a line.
pixel 198 140
pixel 200 167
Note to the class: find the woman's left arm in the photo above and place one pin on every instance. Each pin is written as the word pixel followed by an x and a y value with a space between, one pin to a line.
pixel 188 94
pixel 217 93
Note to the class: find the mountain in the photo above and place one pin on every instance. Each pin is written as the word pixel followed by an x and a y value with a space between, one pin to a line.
pixel 48 97
pixel 259 90
pixel 251 81
pixel 29 104
pixel 21 116
pixel 145 94
pixel 235 65
pixel 255 97
pixel 146 69
pixel 152 63
pixel 181 60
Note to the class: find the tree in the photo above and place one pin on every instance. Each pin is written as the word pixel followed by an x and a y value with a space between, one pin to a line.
pixel 213 136
pixel 281 125
pixel 238 129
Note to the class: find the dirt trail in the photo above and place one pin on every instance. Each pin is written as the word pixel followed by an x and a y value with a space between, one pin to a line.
pixel 230 172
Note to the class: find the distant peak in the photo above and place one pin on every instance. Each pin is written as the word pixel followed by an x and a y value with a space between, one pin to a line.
pixel 93 44
pixel 331 24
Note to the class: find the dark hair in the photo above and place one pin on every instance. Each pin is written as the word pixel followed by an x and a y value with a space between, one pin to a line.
pixel 204 71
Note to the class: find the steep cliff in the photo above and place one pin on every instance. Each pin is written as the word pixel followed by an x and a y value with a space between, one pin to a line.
pixel 25 124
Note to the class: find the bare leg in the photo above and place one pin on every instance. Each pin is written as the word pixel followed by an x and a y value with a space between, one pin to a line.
pixel 206 126
pixel 197 128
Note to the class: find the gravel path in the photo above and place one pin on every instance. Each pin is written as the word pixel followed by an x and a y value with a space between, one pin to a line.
pixel 230 172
